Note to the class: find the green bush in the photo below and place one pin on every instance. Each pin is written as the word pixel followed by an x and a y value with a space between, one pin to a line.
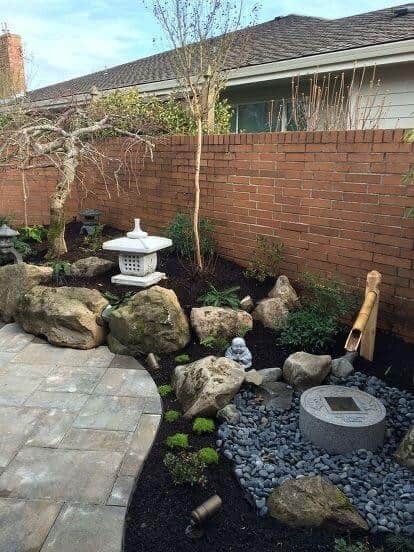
pixel 327 295
pixel 208 455
pixel 342 546
pixel 399 543
pixel 178 440
pixel 7 219
pixel 93 241
pixel 21 246
pixel 224 298
pixel 266 259
pixel 203 425
pixel 37 233
pixel 180 231
pixel 217 344
pixel 61 269
pixel 165 390
pixel 186 468
pixel 172 416
pixel 309 330
pixel 182 359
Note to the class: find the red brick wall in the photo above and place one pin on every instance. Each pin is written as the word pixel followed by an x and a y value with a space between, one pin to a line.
pixel 337 201
pixel 11 65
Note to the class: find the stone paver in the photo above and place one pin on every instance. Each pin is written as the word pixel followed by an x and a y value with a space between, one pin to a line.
pixel 75 429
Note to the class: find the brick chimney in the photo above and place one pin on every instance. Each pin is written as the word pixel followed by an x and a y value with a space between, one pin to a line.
pixel 12 77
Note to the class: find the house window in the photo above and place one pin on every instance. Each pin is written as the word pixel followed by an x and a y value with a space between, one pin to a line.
pixel 264 116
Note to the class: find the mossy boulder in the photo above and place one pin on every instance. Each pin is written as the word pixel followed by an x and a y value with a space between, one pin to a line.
pixel 220 322
pixel 66 316
pixel 17 279
pixel 314 502
pixel 152 321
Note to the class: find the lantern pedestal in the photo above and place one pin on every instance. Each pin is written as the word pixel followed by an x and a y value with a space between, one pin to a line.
pixel 138 257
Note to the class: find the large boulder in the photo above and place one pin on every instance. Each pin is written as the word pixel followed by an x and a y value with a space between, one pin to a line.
pixel 91 267
pixel 283 290
pixel 405 452
pixel 304 370
pixel 16 279
pixel 314 502
pixel 272 313
pixel 207 385
pixel 152 321
pixel 66 316
pixel 220 322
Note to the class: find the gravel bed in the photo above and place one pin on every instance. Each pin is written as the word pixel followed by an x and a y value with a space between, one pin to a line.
pixel 267 448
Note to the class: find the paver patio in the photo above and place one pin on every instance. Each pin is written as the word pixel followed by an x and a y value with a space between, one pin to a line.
pixel 75 429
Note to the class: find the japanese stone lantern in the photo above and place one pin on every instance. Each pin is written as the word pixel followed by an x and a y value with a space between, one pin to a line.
pixel 137 257
pixel 90 219
pixel 6 242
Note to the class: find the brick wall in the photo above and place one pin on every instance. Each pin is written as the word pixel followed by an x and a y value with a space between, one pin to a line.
pixel 12 80
pixel 337 201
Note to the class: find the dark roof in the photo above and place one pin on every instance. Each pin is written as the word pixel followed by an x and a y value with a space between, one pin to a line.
pixel 282 38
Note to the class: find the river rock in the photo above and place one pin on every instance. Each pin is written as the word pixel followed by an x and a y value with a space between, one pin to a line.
pixel 254 377
pixel 314 502
pixel 272 313
pixel 247 304
pixel 66 316
pixel 152 321
pixel 207 385
pixel 283 290
pixel 17 279
pixel 270 374
pixel 342 368
pixel 229 414
pixel 405 452
pixel 91 267
pixel 276 395
pixel 303 370
pixel 220 322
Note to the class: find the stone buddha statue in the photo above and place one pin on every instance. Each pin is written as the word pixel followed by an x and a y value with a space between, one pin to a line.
pixel 239 352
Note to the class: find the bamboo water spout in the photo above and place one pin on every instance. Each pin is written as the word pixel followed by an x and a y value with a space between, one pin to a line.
pixel 364 329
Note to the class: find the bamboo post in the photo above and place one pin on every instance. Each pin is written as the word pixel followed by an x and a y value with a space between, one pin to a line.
pixel 365 326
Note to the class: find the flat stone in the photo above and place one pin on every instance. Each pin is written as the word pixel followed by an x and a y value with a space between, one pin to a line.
pixel 40 353
pixel 276 395
pixel 123 488
pixel 127 383
pixel 13 339
pixel 270 374
pixel 96 439
pixel 254 377
pixel 16 423
pixel 126 362
pixel 141 444
pixel 84 476
pixel 14 390
pixel 101 357
pixel 63 401
pixel 25 524
pixel 72 379
pixel 153 405
pixel 108 412
pixel 22 370
pixel 51 428
pixel 87 528
pixel 5 358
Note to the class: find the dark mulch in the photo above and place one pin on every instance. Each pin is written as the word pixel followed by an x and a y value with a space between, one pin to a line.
pixel 159 511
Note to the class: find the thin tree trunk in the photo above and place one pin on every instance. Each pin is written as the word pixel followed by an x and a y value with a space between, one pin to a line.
pixel 197 248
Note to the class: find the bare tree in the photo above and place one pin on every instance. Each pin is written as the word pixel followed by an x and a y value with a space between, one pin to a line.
pixel 205 46
pixel 37 139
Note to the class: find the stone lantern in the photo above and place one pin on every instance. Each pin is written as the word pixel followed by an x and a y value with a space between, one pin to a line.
pixel 137 257
pixel 90 219
pixel 6 242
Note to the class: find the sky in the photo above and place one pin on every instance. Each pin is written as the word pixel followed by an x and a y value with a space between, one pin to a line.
pixel 64 39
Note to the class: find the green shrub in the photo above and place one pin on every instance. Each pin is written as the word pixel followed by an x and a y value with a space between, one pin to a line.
pixel 172 416
pixel 327 295
pixel 37 233
pixel 21 246
pixel 399 543
pixel 61 269
pixel 224 298
pixel 93 241
pixel 309 330
pixel 266 259
pixel 178 440
pixel 203 425
pixel 342 546
pixel 182 359
pixel 165 390
pixel 116 300
pixel 208 455
pixel 7 219
pixel 180 231
pixel 186 468
pixel 218 344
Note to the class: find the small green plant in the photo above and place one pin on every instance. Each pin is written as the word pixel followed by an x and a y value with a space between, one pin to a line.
pixel 203 425
pixel 208 455
pixel 61 270
pixel 21 246
pixel 93 241
pixel 308 330
pixel 7 219
pixel 180 231
pixel 116 300
pixel 327 295
pixel 399 543
pixel 165 390
pixel 224 298
pixel 36 233
pixel 178 440
pixel 172 416
pixel 182 359
pixel 266 259
pixel 186 468
pixel 216 343
pixel 342 546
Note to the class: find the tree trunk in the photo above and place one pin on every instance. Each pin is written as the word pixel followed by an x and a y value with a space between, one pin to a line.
pixel 197 248
pixel 56 232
